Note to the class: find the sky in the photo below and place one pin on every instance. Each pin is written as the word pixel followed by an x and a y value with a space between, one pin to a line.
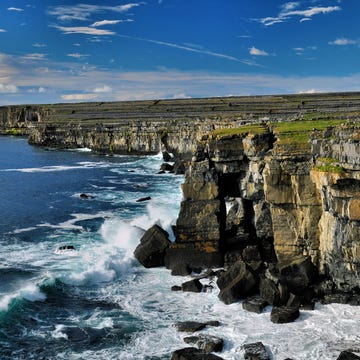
pixel 55 51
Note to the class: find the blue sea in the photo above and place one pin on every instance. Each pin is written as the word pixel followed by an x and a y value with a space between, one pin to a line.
pixel 93 300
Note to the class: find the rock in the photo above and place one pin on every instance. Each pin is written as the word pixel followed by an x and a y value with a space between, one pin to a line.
pixel 176 288
pixel 166 156
pixel 179 167
pixel 347 355
pixel 193 326
pixel 255 351
pixel 237 283
pixel 206 343
pixel 284 314
pixel 269 291
pixel 86 196
pixel 66 247
pixel 142 199
pixel 300 275
pixel 192 286
pixel 193 354
pixel 153 244
pixel 254 304
pixel 167 167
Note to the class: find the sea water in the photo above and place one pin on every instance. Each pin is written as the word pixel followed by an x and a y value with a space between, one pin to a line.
pixel 95 301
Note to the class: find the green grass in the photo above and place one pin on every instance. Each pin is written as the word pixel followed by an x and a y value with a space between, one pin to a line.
pixel 254 129
pixel 330 165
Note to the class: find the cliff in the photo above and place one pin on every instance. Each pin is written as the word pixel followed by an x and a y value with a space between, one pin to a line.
pixel 275 193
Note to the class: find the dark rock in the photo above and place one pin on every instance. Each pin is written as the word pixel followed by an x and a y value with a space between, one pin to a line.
pixel 192 286
pixel 255 351
pixel 208 288
pixel 66 247
pixel 284 314
pixel 254 304
pixel 193 354
pixel 206 343
pixel 237 283
pixel 142 199
pixel 161 172
pixel 179 167
pixel 251 254
pixel 167 167
pixel 86 196
pixel 176 288
pixel 151 250
pixel 294 301
pixel 269 291
pixel 166 156
pixel 193 326
pixel 300 275
pixel 180 269
pixel 347 355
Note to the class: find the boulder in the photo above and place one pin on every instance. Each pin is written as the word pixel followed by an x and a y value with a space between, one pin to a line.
pixel 167 167
pixel 142 199
pixel 193 326
pixel 166 156
pixel 86 196
pixel 192 353
pixel 255 351
pixel 347 355
pixel 269 291
pixel 206 343
pixel 176 288
pixel 237 283
pixel 299 275
pixel 193 286
pixel 254 304
pixel 284 314
pixel 151 250
pixel 179 167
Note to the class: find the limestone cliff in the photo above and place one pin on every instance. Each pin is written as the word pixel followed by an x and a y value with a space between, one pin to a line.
pixel 250 196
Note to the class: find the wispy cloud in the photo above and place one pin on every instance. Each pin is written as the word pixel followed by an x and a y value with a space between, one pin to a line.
pixel 4 88
pixel 15 9
pixel 103 89
pixel 192 49
pixel 257 52
pixel 109 22
pixel 35 56
pixel 79 97
pixel 39 45
pixel 82 12
pixel 2 30
pixel 83 30
pixel 291 9
pixel 344 41
pixel 77 55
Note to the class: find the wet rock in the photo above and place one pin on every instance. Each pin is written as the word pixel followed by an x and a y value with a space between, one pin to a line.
pixel 254 304
pixel 66 247
pixel 167 167
pixel 237 283
pixel 179 167
pixel 284 314
pixel 269 291
pixel 176 288
pixel 193 286
pixel 256 351
pixel 142 199
pixel 299 275
pixel 347 355
pixel 166 156
pixel 193 354
pixel 86 196
pixel 180 269
pixel 151 250
pixel 193 326
pixel 206 343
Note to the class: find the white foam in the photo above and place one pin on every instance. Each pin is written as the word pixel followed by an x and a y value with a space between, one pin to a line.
pixel 30 292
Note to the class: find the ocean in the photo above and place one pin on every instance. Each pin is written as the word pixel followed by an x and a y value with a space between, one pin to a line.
pixel 93 300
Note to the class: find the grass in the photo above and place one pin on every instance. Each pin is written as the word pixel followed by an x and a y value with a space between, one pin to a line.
pixel 330 165
pixel 295 134
pixel 254 129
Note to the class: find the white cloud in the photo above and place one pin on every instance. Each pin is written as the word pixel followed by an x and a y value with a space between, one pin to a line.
pixel 103 89
pixel 289 10
pixel 77 55
pixel 8 89
pixel 83 30
pixel 34 56
pixel 344 42
pixel 78 97
pixel 41 90
pixel 257 52
pixel 15 9
pixel 2 30
pixel 83 12
pixel 310 91
pixel 109 22
pixel 39 45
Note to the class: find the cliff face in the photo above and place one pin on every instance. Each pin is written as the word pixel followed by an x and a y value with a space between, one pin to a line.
pixel 247 197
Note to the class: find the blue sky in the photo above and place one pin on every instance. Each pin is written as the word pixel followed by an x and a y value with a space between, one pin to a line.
pixel 62 51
